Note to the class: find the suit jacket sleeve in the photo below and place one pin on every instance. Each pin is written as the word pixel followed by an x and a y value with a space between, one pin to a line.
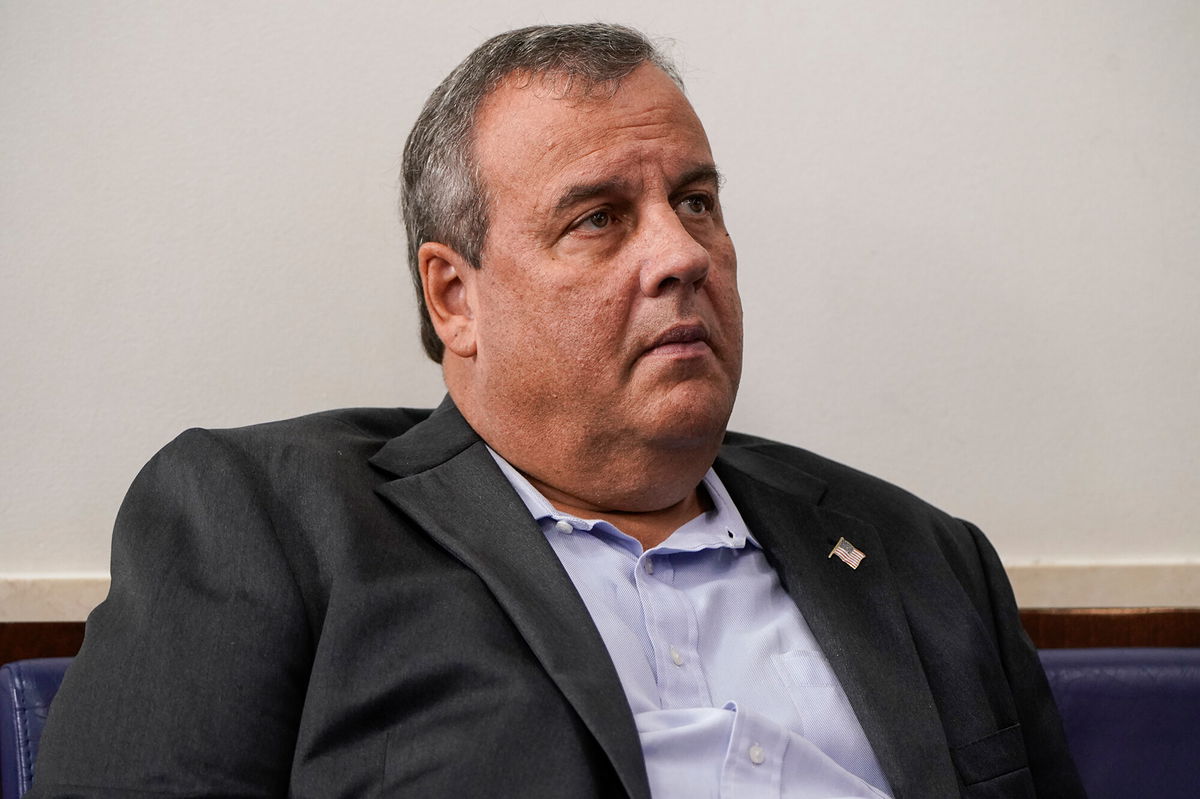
pixel 192 674
pixel 1050 763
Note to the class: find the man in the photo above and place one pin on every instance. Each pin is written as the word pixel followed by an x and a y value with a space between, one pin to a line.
pixel 567 581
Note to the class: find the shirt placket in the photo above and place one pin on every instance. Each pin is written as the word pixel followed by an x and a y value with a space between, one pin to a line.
pixel 754 762
pixel 673 632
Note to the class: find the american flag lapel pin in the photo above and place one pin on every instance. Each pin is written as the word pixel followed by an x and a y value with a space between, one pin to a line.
pixel 847 553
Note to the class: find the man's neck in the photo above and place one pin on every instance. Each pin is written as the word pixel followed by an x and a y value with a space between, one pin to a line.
pixel 644 484
pixel 650 528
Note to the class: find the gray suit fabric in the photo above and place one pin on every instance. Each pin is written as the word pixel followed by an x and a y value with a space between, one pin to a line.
pixel 357 604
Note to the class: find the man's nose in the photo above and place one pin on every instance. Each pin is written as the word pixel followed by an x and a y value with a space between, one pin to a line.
pixel 671 255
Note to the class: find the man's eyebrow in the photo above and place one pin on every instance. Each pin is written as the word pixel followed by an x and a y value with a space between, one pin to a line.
pixel 586 191
pixel 705 173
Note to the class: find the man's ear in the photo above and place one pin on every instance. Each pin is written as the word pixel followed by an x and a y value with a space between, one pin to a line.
pixel 445 279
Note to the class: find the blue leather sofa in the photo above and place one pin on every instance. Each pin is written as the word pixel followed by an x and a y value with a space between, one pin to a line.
pixel 1132 718
pixel 26 688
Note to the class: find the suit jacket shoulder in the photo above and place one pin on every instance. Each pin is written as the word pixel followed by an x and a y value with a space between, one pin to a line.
pixel 291 614
pixel 925 635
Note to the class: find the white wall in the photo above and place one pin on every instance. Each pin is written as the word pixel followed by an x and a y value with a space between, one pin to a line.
pixel 968 233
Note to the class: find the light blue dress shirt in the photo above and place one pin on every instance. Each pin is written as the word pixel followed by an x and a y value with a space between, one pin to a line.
pixel 731 695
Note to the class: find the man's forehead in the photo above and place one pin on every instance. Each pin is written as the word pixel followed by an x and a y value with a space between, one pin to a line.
pixel 539 125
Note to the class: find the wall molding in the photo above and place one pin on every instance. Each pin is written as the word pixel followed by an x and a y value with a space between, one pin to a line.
pixel 57 597
pixel 1105 585
pixel 70 597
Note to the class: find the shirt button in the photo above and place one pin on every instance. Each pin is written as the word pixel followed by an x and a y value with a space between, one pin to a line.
pixel 757 755
pixel 564 527
pixel 676 658
pixel 648 565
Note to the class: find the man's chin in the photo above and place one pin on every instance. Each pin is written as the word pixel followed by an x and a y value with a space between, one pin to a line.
pixel 690 416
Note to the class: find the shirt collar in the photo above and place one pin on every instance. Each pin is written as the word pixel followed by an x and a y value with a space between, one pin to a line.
pixel 722 526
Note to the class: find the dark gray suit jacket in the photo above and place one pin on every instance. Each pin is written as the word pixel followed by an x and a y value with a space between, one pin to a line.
pixel 357 604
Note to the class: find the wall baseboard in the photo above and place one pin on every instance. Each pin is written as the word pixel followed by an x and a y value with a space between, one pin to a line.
pixel 20 640
pixel 70 597
pixel 1074 628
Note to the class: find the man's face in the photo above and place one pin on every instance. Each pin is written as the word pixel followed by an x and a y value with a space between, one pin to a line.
pixel 606 307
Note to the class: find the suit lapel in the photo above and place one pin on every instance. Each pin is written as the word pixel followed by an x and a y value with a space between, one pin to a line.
pixel 856 616
pixel 450 486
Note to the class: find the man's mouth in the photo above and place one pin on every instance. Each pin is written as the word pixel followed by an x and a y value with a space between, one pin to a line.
pixel 683 340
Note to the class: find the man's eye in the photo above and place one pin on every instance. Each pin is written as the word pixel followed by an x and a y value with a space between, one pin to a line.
pixel 596 221
pixel 696 204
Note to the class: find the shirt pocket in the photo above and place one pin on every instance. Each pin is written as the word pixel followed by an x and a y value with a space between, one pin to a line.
pixel 813 689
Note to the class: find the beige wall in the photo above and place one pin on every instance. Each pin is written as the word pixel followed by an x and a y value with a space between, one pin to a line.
pixel 969 236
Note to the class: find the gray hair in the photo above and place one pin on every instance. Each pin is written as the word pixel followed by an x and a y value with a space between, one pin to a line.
pixel 443 197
